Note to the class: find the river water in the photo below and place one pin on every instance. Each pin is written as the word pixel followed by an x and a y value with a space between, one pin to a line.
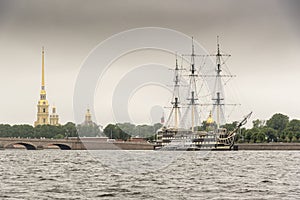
pixel 56 174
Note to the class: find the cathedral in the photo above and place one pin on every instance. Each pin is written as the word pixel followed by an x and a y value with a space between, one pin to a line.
pixel 43 105
pixel 88 118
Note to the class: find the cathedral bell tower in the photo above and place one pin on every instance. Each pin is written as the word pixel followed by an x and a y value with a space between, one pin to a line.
pixel 88 118
pixel 54 117
pixel 43 105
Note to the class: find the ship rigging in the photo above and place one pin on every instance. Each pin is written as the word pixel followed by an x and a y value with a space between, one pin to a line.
pixel 185 134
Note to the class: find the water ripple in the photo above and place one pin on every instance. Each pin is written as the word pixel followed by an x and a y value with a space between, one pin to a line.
pixel 59 174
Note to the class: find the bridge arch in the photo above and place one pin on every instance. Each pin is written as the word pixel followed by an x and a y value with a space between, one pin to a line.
pixel 61 146
pixel 28 146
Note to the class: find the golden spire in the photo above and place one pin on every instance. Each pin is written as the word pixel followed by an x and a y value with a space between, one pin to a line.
pixel 43 106
pixel 88 117
pixel 210 119
pixel 43 70
pixel 43 91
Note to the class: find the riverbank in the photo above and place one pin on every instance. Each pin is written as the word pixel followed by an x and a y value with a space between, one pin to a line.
pixel 268 146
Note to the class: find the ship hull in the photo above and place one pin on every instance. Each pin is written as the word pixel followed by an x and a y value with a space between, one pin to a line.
pixel 164 148
pixel 174 140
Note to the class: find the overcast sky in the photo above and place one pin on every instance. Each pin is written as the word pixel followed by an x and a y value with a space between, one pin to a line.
pixel 263 38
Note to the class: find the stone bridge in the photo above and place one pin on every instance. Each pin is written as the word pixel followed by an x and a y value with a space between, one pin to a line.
pixel 34 144
pixel 74 144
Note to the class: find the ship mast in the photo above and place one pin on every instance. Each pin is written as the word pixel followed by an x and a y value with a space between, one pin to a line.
pixel 218 96
pixel 193 98
pixel 176 94
pixel 218 99
pixel 175 103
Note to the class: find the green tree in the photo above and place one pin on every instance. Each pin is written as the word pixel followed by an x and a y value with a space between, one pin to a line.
pixel 128 128
pixel 5 130
pixel 293 127
pixel 294 139
pixel 114 132
pixel 88 130
pixel 278 122
pixel 145 130
pixel 260 137
pixel 59 136
pixel 48 131
pixel 70 130
pixel 270 133
pixel 240 137
pixel 230 126
pixel 255 135
pixel 258 123
pixel 157 126
pixel 248 135
pixel 22 131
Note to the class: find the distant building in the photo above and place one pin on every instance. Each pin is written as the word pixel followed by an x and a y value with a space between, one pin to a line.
pixel 54 117
pixel 43 105
pixel 88 118
pixel 210 119
pixel 88 128
pixel 210 122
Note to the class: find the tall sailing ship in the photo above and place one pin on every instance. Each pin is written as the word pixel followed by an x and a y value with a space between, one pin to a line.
pixel 184 134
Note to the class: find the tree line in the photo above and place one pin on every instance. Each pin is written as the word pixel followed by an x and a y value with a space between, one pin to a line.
pixel 122 131
pixel 279 128
pixel 40 131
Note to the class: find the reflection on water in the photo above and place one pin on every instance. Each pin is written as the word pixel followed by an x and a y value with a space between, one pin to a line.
pixel 139 175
